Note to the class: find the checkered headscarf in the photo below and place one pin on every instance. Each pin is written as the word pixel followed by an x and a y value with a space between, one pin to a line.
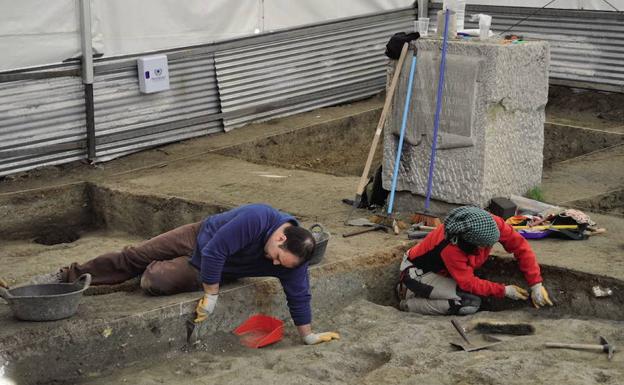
pixel 471 224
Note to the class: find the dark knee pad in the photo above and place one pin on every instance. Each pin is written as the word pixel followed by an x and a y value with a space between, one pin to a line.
pixel 468 304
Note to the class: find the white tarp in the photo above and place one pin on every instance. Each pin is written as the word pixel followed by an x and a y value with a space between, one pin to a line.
pixel 594 5
pixel 280 14
pixel 38 32
pixel 131 26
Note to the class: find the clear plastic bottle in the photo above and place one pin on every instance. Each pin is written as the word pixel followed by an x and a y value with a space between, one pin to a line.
pixel 460 11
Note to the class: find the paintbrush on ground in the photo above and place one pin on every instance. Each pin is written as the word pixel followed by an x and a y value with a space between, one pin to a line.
pixel 516 329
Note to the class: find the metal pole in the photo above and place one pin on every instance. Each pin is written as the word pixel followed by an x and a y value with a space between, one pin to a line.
pixel 87 73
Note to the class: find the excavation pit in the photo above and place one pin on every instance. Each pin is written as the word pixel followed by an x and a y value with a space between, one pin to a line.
pixel 126 336
pixel 353 296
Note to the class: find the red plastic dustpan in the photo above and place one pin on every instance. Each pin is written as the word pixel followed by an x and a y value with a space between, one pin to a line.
pixel 260 330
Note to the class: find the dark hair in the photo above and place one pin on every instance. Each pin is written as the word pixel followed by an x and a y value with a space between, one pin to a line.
pixel 300 242
pixel 467 247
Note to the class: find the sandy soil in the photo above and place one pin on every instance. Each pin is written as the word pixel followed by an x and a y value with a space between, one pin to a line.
pixel 379 344
pixel 21 260
pixel 383 345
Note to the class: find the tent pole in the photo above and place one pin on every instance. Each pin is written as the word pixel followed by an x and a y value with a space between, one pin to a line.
pixel 87 74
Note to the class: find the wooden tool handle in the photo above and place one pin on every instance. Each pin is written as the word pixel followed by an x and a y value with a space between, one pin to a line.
pixel 382 120
pixel 596 232
pixel 599 348
pixel 546 227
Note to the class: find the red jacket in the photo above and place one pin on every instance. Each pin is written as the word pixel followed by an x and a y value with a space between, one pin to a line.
pixel 436 254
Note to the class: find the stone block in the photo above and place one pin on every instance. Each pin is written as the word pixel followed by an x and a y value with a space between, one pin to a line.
pixel 491 133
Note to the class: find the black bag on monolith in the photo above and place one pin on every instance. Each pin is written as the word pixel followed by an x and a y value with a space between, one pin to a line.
pixel 396 42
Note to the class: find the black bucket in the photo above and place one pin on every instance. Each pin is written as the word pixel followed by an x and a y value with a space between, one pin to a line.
pixel 47 302
pixel 321 237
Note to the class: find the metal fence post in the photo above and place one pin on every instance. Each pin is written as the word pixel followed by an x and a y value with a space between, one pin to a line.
pixel 87 74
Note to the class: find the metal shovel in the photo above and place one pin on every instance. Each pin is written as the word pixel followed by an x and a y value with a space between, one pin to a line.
pixel 471 345
pixel 363 222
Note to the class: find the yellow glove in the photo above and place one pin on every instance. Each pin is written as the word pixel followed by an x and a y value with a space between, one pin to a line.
pixel 317 338
pixel 539 296
pixel 3 283
pixel 205 307
pixel 516 292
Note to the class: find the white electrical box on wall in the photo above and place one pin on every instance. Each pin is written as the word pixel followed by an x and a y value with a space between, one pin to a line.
pixel 153 73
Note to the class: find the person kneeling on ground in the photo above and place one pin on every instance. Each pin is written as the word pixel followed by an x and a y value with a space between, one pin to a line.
pixel 437 275
pixel 250 241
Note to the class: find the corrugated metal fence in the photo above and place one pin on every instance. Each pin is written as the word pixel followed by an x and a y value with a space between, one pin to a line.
pixel 42 119
pixel 127 121
pixel 586 47
pixel 304 71
pixel 256 78
pixel 228 84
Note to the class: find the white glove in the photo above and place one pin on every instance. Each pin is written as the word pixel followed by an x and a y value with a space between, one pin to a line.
pixel 539 296
pixel 317 338
pixel 516 292
pixel 205 306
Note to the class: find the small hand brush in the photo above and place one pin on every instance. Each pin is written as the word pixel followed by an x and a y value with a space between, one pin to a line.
pixel 516 329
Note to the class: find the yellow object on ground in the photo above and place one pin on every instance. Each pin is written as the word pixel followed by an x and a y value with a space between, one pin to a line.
pixel 546 227
pixel 317 338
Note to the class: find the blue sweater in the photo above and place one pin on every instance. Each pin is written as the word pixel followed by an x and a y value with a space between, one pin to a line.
pixel 232 244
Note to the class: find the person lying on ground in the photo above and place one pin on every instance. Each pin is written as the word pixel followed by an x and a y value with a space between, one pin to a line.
pixel 249 241
pixel 437 275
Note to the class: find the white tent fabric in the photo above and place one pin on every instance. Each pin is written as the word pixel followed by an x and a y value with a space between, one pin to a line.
pixel 593 5
pixel 39 32
pixel 35 32
pixel 280 14
pixel 132 26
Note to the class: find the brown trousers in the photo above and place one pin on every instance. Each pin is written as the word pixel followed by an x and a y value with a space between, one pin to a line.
pixel 163 261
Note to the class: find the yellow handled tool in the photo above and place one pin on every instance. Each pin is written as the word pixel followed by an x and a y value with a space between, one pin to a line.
pixel 547 227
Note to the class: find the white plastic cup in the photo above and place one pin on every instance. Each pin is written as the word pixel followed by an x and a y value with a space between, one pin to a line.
pixel 423 26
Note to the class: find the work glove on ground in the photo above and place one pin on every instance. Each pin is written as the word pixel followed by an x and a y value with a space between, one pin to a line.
pixel 539 296
pixel 317 338
pixel 3 283
pixel 516 292
pixel 205 307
